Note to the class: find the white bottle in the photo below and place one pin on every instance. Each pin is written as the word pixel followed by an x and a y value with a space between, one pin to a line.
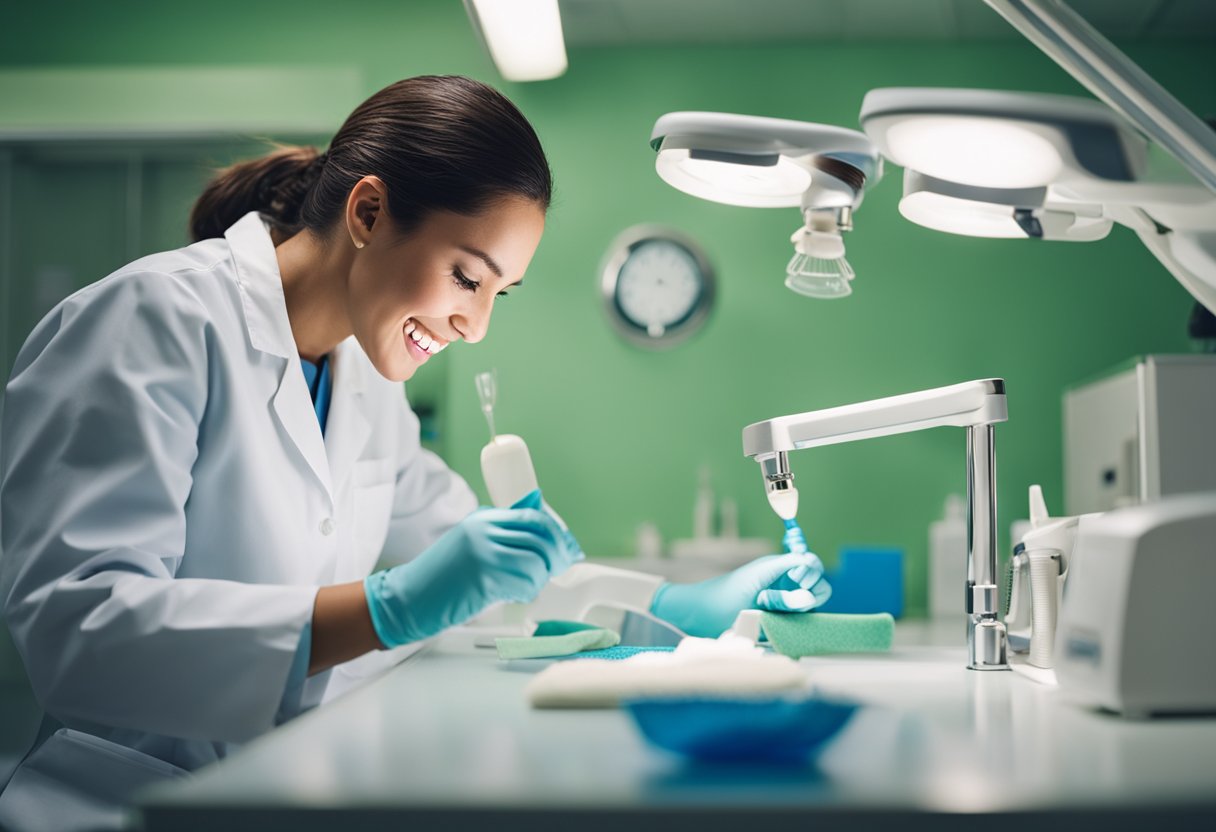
pixel 703 508
pixel 948 560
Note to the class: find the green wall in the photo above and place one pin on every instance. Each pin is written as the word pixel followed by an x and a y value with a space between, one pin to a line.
pixel 618 433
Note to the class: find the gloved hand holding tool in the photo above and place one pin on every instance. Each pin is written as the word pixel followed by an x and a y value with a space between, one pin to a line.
pixel 777 583
pixel 494 554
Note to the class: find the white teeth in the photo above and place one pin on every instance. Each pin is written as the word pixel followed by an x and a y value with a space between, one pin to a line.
pixel 424 340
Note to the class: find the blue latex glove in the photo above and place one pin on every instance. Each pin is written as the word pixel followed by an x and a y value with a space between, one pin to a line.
pixel 494 554
pixel 709 608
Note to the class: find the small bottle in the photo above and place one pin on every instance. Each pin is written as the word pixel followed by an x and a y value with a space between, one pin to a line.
pixel 703 508
pixel 648 542
pixel 728 515
pixel 948 560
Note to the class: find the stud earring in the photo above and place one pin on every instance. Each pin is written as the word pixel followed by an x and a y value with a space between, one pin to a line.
pixel 358 244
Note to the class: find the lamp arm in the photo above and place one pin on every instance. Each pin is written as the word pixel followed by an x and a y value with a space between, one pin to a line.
pixel 1070 41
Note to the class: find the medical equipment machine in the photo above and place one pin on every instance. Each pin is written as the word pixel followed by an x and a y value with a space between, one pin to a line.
pixel 1140 432
pixel 1135 626
pixel 974 405
pixel 1035 581
pixel 776 163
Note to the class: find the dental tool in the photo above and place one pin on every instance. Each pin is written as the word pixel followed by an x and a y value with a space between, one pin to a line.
pixel 783 498
pixel 506 465
pixel 487 393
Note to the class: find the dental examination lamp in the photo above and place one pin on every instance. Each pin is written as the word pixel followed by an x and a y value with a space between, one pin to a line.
pixel 986 163
pixel 776 163
pixel 974 405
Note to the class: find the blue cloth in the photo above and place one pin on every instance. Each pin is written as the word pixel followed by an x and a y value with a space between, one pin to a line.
pixel 320 385
pixel 868 580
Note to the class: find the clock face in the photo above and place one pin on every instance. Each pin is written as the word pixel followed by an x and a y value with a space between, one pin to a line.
pixel 657 285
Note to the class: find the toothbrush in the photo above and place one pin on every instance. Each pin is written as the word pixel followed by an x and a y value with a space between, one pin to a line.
pixel 795 543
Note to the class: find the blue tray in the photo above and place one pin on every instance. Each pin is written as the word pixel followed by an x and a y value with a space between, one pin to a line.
pixel 772 729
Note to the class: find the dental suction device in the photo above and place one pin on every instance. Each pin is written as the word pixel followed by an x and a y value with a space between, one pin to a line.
pixel 506 464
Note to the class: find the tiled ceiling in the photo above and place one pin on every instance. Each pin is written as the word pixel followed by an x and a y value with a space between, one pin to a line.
pixel 620 22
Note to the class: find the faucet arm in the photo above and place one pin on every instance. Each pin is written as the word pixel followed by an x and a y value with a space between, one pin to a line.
pixel 962 405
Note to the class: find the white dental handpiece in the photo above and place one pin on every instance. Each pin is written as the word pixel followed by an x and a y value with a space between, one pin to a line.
pixel 506 467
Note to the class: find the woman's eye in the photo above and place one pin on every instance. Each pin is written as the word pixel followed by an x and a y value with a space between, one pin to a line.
pixel 463 282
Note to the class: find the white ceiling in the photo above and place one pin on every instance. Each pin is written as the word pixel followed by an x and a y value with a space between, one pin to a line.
pixel 620 22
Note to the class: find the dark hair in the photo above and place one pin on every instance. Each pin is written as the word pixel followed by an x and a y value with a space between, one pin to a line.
pixel 439 143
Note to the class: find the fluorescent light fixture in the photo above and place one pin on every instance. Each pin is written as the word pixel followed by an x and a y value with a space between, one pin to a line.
pixel 960 216
pixel 976 151
pixel 770 181
pixel 524 37
pixel 997 139
pixel 758 162
pixel 995 212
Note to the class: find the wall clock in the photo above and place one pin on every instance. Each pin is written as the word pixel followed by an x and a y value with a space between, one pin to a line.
pixel 657 285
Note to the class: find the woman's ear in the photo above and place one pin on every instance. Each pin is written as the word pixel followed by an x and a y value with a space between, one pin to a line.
pixel 363 208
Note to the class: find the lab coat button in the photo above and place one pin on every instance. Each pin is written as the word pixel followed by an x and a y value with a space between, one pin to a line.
pixel 327 526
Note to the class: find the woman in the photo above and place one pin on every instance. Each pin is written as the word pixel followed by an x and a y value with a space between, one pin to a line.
pixel 206 453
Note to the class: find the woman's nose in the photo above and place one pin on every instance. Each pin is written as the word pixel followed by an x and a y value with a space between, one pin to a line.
pixel 474 323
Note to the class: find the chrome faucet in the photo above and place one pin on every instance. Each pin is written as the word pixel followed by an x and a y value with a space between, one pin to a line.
pixel 974 405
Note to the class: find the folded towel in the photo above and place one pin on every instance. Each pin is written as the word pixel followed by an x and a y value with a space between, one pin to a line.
pixel 817 633
pixel 557 638
pixel 729 666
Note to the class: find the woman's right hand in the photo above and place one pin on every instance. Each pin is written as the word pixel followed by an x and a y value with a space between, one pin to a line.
pixel 494 554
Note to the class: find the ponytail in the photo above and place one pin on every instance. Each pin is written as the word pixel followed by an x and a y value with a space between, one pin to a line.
pixel 274 185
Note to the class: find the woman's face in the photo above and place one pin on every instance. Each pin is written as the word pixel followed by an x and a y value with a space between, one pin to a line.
pixel 409 296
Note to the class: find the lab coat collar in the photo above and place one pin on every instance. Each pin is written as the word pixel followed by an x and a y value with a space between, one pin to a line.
pixel 261 284
pixel 331 458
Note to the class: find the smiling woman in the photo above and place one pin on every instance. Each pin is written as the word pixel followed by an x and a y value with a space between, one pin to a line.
pixel 208 451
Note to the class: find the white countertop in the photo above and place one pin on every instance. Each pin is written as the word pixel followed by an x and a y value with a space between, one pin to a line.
pixel 448 736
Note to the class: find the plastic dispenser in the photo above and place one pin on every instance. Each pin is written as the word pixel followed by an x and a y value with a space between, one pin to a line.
pixel 948 559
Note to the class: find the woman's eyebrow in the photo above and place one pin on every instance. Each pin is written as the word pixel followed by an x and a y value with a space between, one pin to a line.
pixel 485 258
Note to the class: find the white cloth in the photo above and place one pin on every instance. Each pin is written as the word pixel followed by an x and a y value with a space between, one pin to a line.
pixel 168 508
pixel 727 666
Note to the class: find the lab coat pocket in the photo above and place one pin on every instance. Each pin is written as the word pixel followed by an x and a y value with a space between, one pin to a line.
pixel 76 781
pixel 373 484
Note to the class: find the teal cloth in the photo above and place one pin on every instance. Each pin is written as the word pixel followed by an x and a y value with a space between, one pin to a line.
pixel 557 638
pixel 818 633
pixel 621 651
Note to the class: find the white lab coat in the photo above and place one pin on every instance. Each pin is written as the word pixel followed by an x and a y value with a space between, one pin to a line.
pixel 168 508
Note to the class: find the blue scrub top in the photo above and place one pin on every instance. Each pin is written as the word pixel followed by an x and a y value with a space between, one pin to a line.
pixel 319 386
